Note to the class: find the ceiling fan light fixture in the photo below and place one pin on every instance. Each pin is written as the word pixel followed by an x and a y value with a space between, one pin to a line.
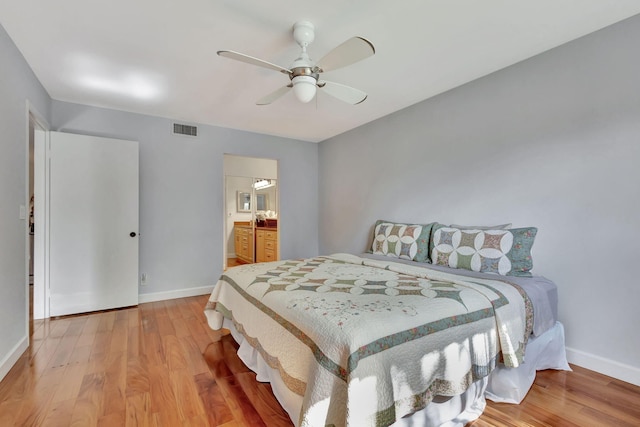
pixel 304 88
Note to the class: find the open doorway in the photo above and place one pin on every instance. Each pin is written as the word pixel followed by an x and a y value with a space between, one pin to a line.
pixel 36 154
pixel 251 207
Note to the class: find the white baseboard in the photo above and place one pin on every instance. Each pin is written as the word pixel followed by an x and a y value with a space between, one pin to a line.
pixel 609 367
pixel 13 356
pixel 179 293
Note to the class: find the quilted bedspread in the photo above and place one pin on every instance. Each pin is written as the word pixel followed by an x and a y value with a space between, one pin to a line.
pixel 366 342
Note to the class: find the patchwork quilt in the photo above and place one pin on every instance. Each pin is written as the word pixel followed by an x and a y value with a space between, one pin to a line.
pixel 366 342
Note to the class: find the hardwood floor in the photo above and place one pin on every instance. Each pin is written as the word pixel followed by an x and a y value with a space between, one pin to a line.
pixel 232 262
pixel 578 398
pixel 159 364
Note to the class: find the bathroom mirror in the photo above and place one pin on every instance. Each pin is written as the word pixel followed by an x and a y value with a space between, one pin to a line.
pixel 265 196
pixel 243 203
pixel 262 202
pixel 265 193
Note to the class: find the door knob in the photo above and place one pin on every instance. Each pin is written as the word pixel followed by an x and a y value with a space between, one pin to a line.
pixel 132 234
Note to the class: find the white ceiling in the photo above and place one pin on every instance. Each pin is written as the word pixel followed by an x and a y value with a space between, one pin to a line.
pixel 158 57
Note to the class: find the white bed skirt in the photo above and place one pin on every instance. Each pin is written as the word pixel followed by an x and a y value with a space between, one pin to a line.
pixel 504 384
pixel 510 385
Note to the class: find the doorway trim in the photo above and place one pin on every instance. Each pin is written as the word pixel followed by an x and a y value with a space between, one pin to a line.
pixel 35 120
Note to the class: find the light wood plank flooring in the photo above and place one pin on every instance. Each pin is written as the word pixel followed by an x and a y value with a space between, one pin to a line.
pixel 159 364
pixel 232 262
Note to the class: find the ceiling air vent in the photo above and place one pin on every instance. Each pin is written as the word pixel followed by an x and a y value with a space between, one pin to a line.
pixel 185 129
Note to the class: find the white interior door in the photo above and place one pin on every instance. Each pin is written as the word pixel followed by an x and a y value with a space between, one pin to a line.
pixel 93 223
pixel 40 301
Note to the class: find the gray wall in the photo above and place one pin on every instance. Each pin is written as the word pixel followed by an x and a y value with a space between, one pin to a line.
pixel 17 85
pixel 552 142
pixel 182 191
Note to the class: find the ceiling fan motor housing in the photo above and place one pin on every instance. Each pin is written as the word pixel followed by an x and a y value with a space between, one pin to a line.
pixel 303 65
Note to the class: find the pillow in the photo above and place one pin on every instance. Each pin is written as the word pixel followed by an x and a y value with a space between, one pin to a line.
pixel 504 252
pixel 482 227
pixel 398 240
pixel 464 227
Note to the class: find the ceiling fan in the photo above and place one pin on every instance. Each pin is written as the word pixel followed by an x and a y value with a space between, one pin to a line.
pixel 304 74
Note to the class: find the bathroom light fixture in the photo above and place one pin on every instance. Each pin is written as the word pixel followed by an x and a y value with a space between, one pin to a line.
pixel 262 184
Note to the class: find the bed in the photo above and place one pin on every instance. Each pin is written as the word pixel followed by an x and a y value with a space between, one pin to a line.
pixel 355 340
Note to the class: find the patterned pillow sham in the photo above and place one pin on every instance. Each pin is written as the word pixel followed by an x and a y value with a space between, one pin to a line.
pixel 398 240
pixel 504 252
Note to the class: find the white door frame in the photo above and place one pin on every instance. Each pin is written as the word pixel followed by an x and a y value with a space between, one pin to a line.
pixel 40 285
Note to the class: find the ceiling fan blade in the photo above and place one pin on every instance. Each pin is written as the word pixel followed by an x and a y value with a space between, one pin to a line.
pixel 353 50
pixel 253 61
pixel 344 93
pixel 266 100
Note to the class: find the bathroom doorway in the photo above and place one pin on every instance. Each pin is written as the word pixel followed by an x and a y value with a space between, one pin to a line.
pixel 252 212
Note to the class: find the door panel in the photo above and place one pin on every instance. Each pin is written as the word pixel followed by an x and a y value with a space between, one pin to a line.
pixel 93 210
pixel 40 300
